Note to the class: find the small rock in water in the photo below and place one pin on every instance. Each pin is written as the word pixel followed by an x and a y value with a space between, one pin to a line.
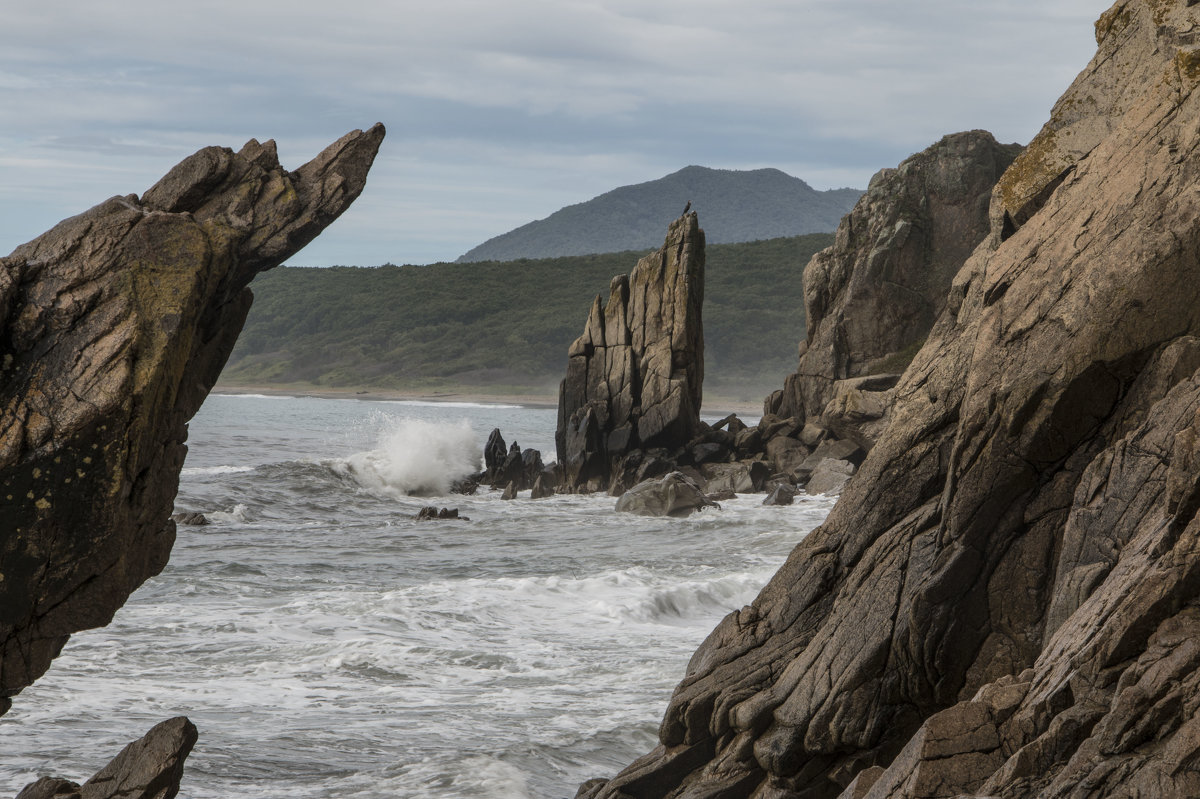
pixel 783 494
pixel 194 519
pixel 431 513
pixel 466 486
pixel 510 491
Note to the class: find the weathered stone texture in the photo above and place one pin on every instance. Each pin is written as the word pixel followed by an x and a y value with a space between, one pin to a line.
pixel 149 768
pixel 1005 602
pixel 635 377
pixel 113 327
pixel 871 298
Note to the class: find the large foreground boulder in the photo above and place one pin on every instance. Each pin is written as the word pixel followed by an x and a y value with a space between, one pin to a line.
pixel 673 494
pixel 113 327
pixel 635 377
pixel 1005 602
pixel 149 768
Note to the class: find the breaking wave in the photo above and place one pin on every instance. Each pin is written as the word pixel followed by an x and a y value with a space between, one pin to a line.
pixel 416 457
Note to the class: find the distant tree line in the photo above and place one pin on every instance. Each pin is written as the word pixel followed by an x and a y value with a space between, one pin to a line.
pixel 504 327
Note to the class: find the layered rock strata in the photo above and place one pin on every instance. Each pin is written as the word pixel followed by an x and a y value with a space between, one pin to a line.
pixel 635 377
pixel 113 327
pixel 1005 602
pixel 871 298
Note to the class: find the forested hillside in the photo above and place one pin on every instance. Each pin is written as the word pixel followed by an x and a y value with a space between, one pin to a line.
pixel 501 327
pixel 735 206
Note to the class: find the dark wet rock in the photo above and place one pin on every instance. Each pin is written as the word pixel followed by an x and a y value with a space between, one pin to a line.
pixel 431 513
pixel 495 452
pixel 634 378
pixel 149 768
pixel 546 483
pixel 727 477
pixel 50 788
pixel 721 495
pixel 510 491
pixel 1005 601
pixel 467 486
pixel 782 494
pixel 675 494
pixel 190 518
pixel 113 327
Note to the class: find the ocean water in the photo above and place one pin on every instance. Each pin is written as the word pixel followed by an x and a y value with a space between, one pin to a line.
pixel 326 644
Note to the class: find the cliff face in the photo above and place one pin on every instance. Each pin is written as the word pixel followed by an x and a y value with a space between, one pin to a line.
pixel 635 377
pixel 113 327
pixel 1006 599
pixel 871 299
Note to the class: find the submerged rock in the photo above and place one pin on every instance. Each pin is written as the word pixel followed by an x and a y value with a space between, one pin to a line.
pixel 115 325
pixel 1005 601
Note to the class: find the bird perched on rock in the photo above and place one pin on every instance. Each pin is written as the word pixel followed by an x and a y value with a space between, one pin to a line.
pixel 687 207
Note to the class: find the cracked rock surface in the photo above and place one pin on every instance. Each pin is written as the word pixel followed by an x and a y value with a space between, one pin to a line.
pixel 635 377
pixel 114 325
pixel 1005 601
pixel 871 299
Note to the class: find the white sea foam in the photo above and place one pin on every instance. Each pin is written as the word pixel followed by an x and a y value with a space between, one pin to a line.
pixel 202 471
pixel 416 457
pixel 257 396
pixel 236 514
pixel 449 404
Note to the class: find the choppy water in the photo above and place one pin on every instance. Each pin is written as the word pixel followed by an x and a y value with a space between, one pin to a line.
pixel 328 645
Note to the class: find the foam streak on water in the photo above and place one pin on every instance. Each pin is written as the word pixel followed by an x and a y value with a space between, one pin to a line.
pixel 328 645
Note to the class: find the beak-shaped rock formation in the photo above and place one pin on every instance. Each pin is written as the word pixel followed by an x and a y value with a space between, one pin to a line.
pixel 113 327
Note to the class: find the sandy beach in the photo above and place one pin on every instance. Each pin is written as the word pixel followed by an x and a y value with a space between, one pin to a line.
pixel 715 406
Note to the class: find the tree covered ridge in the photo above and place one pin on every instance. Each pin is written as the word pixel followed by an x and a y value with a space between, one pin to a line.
pixel 506 326
pixel 735 206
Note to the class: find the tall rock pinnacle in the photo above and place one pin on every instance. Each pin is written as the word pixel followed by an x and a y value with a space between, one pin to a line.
pixel 635 377
pixel 114 325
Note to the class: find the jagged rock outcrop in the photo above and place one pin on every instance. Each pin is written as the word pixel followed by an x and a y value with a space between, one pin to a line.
pixel 113 327
pixel 635 377
pixel 1005 602
pixel 871 299
pixel 149 768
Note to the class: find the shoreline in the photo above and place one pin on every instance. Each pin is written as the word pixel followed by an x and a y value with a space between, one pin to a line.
pixel 718 406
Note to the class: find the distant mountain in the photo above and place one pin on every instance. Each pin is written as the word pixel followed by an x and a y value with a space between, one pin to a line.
pixel 734 206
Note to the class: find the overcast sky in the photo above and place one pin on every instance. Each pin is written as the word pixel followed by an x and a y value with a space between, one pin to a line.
pixel 500 112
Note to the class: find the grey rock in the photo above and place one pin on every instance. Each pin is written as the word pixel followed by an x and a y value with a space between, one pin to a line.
pixel 830 477
pixel 674 494
pixel 190 518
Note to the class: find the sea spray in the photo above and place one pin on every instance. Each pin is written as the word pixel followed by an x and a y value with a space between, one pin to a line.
pixel 416 457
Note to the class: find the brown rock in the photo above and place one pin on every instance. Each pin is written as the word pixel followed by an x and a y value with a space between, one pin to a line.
pixel 871 299
pixel 116 324
pixel 634 378
pixel 1027 529
pixel 149 768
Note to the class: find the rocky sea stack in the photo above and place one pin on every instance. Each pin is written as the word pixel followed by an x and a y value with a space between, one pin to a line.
pixel 1005 602
pixel 635 377
pixel 113 327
